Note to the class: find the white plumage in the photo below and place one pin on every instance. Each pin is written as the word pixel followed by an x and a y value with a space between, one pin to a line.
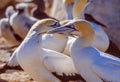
pixel 55 42
pixel 100 37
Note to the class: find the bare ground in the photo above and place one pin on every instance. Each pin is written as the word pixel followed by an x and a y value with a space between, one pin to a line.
pixel 11 75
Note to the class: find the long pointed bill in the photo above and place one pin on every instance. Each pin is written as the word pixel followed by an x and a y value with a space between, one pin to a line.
pixel 65 30
pixel 61 30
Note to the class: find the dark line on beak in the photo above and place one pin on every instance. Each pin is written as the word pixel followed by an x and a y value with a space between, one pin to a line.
pixel 42 33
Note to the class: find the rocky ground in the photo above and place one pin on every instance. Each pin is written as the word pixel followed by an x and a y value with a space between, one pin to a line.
pixel 11 75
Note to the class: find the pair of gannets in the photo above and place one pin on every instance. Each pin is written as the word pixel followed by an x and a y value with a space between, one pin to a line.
pixel 44 65
pixel 101 40
pixel 92 64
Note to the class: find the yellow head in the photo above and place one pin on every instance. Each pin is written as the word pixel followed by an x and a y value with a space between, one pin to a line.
pixel 83 26
pixel 87 32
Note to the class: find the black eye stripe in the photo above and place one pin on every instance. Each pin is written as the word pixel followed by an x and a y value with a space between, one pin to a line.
pixel 71 26
pixel 57 24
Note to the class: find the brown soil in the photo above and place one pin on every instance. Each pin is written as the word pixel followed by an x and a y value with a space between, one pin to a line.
pixel 11 75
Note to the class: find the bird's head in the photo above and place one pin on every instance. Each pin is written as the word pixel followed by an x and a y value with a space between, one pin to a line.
pixel 9 11
pixel 26 8
pixel 75 8
pixel 44 25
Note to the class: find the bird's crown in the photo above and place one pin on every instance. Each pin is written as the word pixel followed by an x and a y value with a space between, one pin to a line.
pixel 45 23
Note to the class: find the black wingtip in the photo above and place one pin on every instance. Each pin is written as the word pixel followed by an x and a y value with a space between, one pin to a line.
pixel 65 78
pixel 6 67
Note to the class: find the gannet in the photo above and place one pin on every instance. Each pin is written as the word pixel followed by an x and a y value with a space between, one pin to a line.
pixel 92 64
pixel 21 21
pixel 6 30
pixel 56 42
pixel 101 40
pixel 44 65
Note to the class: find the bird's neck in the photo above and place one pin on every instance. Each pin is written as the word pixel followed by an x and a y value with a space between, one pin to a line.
pixel 26 13
pixel 69 11
pixel 82 42
pixel 78 8
pixel 30 44
pixel 33 38
pixel 86 38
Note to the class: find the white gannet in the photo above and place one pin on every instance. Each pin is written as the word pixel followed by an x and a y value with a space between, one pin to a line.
pixel 21 21
pixel 6 30
pixel 56 42
pixel 44 65
pixel 92 64
pixel 101 40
